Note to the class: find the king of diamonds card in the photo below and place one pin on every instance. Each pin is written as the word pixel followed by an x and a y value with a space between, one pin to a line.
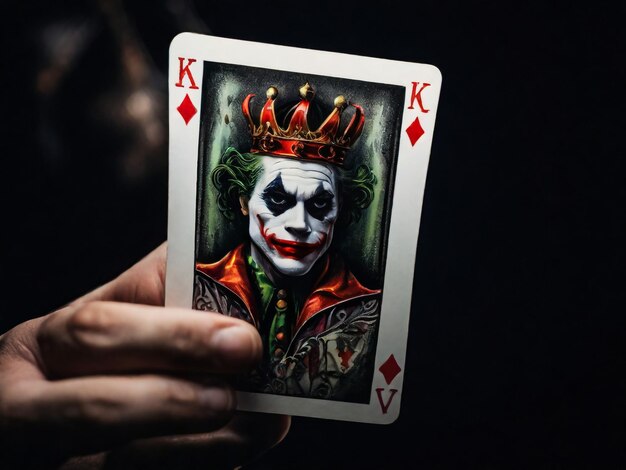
pixel 296 180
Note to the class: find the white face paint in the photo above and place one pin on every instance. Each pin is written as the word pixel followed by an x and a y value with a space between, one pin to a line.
pixel 293 209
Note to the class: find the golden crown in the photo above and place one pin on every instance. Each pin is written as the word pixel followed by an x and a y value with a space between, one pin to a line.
pixel 326 143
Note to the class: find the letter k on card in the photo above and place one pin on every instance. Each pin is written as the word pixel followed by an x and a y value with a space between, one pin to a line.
pixel 186 108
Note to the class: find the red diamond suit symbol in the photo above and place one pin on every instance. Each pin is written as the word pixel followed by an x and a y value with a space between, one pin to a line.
pixel 390 369
pixel 415 131
pixel 186 109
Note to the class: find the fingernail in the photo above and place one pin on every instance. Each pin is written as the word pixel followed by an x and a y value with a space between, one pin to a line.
pixel 219 398
pixel 234 345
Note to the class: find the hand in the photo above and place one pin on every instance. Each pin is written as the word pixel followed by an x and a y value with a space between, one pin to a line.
pixel 115 378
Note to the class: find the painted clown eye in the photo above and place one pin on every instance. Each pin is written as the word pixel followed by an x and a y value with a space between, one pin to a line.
pixel 276 198
pixel 320 205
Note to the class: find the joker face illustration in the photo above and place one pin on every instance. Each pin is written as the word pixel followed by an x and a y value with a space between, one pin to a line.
pixel 292 211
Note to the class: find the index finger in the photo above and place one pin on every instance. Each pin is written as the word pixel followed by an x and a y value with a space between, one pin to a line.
pixel 112 337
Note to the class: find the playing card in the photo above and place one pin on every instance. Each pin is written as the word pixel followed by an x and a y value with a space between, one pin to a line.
pixel 296 184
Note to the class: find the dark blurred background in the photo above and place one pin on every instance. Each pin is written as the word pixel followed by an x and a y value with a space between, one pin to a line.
pixel 517 321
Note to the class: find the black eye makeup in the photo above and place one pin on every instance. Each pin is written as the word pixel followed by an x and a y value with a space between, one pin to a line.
pixel 320 204
pixel 276 198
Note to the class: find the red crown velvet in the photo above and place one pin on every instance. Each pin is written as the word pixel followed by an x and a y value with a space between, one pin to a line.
pixel 326 143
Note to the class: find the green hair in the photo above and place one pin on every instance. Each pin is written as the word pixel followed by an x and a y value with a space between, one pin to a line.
pixel 237 173
pixel 235 176
pixel 357 187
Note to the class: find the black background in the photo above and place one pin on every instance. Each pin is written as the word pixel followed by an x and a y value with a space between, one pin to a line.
pixel 517 322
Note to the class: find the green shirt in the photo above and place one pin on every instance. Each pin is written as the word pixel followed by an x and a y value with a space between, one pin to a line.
pixel 279 307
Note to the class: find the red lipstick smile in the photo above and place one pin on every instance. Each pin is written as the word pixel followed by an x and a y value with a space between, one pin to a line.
pixel 290 248
pixel 293 249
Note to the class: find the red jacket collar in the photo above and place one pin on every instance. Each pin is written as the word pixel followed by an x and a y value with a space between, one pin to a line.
pixel 335 283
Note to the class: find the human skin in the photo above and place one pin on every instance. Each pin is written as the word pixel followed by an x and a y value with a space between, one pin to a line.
pixel 117 380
